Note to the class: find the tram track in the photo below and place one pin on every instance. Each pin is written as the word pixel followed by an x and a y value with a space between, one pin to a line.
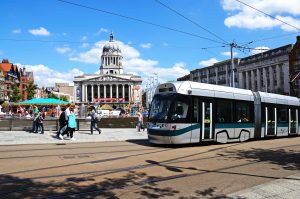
pixel 196 171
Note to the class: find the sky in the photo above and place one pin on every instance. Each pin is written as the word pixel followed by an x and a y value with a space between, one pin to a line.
pixel 60 39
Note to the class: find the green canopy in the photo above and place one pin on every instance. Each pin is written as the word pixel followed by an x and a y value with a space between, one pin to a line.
pixel 43 101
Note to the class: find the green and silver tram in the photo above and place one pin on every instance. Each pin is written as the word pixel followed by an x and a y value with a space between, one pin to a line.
pixel 191 112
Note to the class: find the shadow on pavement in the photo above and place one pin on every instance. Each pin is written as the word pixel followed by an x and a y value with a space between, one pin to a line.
pixel 14 187
pixel 287 159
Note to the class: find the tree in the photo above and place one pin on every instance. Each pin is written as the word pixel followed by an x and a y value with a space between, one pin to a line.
pixel 16 94
pixel 52 95
pixel 63 98
pixel 31 90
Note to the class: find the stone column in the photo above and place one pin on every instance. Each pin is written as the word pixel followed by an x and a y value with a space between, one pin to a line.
pixel 129 92
pixel 258 76
pixel 104 91
pixel 241 83
pixel 82 92
pixel 247 80
pixel 278 76
pixel 98 86
pixel 253 88
pixel 117 91
pixel 123 91
pixel 271 77
pixel 92 87
pixel 265 80
pixel 86 95
pixel 110 90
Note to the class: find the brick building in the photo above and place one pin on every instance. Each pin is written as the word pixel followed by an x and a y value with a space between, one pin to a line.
pixel 14 75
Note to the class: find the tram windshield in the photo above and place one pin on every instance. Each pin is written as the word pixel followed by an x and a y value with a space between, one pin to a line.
pixel 160 107
pixel 169 107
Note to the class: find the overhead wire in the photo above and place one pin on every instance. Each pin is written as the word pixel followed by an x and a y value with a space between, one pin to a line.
pixel 267 14
pixel 193 22
pixel 138 20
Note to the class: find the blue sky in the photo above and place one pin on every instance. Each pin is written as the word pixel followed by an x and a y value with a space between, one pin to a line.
pixel 58 41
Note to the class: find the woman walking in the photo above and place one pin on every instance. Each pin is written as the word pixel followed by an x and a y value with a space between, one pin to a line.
pixel 71 123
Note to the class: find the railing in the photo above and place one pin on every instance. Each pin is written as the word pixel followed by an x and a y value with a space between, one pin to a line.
pixel 13 124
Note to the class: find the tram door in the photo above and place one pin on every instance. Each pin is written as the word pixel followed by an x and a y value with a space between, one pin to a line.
pixel 206 131
pixel 271 121
pixel 293 121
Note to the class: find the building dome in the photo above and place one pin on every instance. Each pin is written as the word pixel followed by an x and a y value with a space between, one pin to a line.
pixel 111 48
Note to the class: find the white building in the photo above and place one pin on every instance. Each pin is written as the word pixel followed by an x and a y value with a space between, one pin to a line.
pixel 111 86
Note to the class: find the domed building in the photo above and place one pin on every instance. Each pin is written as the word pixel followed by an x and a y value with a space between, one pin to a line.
pixel 111 86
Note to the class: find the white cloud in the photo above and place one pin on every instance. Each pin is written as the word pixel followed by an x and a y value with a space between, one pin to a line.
pixel 63 50
pixel 93 56
pixel 146 45
pixel 228 53
pixel 133 63
pixel 208 62
pixel 242 16
pixel 45 76
pixel 39 32
pixel 101 30
pixel 165 44
pixel 146 68
pixel 16 31
pixel 260 49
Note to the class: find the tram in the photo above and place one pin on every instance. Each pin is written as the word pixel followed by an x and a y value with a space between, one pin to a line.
pixel 191 112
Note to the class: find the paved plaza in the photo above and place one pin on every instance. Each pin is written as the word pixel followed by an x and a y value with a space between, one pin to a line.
pixel 107 134
pixel 286 187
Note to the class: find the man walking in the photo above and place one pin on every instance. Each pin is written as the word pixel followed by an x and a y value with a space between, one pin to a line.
pixel 94 120
pixel 63 123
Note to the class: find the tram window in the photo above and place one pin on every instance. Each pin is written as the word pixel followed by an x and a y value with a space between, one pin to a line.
pixel 196 110
pixel 224 111
pixel 243 112
pixel 180 110
pixel 282 115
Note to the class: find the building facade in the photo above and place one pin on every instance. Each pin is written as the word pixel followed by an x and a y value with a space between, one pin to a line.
pixel 111 86
pixel 1 86
pixel 294 67
pixel 267 71
pixel 219 73
pixel 10 72
pixel 274 71
pixel 14 75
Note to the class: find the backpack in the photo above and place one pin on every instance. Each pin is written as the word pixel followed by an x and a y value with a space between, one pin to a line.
pixel 72 121
pixel 94 116
pixel 62 118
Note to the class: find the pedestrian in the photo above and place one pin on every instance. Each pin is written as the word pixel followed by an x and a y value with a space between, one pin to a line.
pixel 20 110
pixel 71 123
pixel 94 120
pixel 140 122
pixel 35 116
pixel 63 123
pixel 40 122
pixel 67 116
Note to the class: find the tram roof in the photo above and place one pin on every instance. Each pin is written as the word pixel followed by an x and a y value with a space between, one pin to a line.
pixel 210 90
pixel 278 99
